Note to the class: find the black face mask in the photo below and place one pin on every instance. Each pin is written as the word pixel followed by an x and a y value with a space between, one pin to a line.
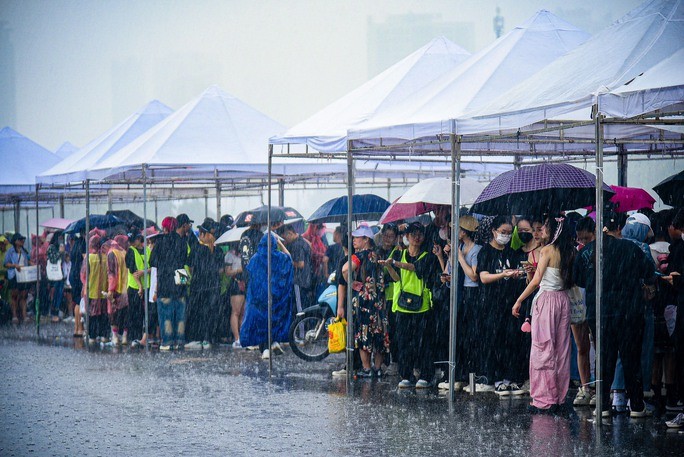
pixel 525 237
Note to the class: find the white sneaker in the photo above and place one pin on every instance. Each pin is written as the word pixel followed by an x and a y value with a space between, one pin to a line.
pixel 237 345
pixel 641 414
pixel 503 390
pixel 518 391
pixel 405 384
pixel 677 422
pixel 458 385
pixel 252 348
pixel 604 413
pixel 193 346
pixel 266 354
pixel 206 345
pixel 115 339
pixel 423 384
pixel 583 397
pixel 480 388
pixel 339 373
pixel 124 339
pixel 277 349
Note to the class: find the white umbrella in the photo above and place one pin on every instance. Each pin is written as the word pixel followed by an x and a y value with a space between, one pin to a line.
pixel 422 197
pixel 231 236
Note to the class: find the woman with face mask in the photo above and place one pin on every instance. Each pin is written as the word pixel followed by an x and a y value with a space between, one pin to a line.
pixel 498 272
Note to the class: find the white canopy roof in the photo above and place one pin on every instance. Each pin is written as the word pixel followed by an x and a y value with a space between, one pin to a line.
pixel 213 131
pixel 659 87
pixel 512 58
pixel 635 43
pixel 76 166
pixel 65 150
pixel 23 159
pixel 326 130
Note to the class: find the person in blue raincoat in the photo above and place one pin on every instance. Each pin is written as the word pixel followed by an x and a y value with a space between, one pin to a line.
pixel 254 330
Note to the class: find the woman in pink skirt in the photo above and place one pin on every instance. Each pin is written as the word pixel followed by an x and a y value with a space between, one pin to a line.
pixel 550 352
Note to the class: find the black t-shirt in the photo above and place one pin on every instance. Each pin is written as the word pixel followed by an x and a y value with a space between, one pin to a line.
pixel 625 268
pixel 248 245
pixel 170 253
pixel 301 251
pixel 206 268
pixel 502 293
pixel 334 254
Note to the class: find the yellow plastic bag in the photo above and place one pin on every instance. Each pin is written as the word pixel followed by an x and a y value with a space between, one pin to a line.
pixel 337 336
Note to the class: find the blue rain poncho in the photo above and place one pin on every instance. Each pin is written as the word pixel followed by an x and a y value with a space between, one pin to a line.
pixel 254 330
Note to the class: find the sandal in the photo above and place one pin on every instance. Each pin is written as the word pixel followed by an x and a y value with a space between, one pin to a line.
pixel 55 319
pixel 78 335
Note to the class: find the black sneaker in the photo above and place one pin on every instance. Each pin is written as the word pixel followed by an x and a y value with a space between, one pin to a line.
pixel 365 373
pixel 378 373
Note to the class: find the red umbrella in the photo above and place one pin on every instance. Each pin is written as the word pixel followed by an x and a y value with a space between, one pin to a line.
pixel 631 198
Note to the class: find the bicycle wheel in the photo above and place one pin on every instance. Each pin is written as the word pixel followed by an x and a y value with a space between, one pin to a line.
pixel 309 337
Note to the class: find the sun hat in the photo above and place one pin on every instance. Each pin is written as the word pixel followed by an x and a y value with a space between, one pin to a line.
pixel 468 223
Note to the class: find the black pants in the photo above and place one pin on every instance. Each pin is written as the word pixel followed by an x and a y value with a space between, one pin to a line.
pixel 98 326
pixel 467 334
pixel 415 338
pixel 624 335
pixel 136 315
pixel 203 315
pixel 678 337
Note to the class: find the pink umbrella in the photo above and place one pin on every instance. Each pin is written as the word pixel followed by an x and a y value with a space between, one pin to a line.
pixel 57 223
pixel 631 198
pixel 400 211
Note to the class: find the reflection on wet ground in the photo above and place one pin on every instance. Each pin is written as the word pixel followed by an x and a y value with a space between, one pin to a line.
pixel 60 398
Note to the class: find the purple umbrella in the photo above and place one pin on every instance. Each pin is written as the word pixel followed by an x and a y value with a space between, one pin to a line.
pixel 539 189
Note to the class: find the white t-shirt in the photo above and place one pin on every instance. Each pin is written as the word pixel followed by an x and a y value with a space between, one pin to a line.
pixel 232 261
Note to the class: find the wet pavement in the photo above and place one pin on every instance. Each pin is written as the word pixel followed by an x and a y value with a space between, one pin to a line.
pixel 61 398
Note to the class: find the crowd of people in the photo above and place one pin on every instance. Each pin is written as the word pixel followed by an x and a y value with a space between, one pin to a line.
pixel 525 289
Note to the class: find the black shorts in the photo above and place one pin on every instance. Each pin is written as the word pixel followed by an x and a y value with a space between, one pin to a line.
pixel 14 285
pixel 235 289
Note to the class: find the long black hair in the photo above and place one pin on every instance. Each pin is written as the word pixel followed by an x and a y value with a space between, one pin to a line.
pixel 562 237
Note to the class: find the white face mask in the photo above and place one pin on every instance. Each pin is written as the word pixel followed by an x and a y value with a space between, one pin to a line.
pixel 503 239
pixel 405 240
pixel 682 236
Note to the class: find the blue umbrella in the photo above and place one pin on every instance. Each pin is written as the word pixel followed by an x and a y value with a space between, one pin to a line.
pixel 364 207
pixel 96 220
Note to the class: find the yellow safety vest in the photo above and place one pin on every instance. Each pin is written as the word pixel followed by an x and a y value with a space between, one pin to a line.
pixel 389 286
pixel 412 284
pixel 139 265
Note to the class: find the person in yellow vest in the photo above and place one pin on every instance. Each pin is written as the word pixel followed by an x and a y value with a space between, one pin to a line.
pixel 136 259
pixel 117 292
pixel 414 271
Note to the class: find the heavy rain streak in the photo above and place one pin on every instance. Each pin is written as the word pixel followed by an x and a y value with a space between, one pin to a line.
pixel 447 260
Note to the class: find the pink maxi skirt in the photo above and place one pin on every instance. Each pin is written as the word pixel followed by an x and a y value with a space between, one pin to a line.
pixel 550 352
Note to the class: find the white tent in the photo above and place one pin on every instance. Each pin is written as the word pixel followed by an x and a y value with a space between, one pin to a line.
pixel 481 78
pixel 659 87
pixel 568 87
pixel 23 159
pixel 65 150
pixel 76 166
pixel 326 130
pixel 214 131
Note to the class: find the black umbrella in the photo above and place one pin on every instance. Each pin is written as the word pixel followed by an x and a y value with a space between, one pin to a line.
pixel 259 215
pixel 671 190
pixel 96 220
pixel 130 219
pixel 538 190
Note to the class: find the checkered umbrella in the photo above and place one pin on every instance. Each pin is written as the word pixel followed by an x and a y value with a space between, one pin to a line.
pixel 539 189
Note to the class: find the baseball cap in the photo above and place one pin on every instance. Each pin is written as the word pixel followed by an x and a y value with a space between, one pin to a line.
pixel 638 218
pixel 363 230
pixel 183 219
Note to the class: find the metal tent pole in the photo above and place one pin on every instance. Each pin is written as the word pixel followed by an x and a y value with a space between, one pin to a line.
pixel 87 261
pixel 61 206
pixel 17 216
pixel 599 263
pixel 281 192
pixel 622 165
pixel 269 241
pixel 218 196
pixel 146 292
pixel 350 314
pixel 37 301
pixel 455 216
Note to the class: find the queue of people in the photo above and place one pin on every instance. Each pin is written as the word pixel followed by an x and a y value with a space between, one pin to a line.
pixel 526 285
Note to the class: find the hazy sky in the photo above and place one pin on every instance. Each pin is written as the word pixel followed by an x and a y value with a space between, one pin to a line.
pixel 70 70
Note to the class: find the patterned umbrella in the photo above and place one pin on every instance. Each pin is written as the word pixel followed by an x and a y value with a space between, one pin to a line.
pixel 539 189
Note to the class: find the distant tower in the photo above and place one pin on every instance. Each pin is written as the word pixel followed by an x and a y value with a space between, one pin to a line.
pixel 498 22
